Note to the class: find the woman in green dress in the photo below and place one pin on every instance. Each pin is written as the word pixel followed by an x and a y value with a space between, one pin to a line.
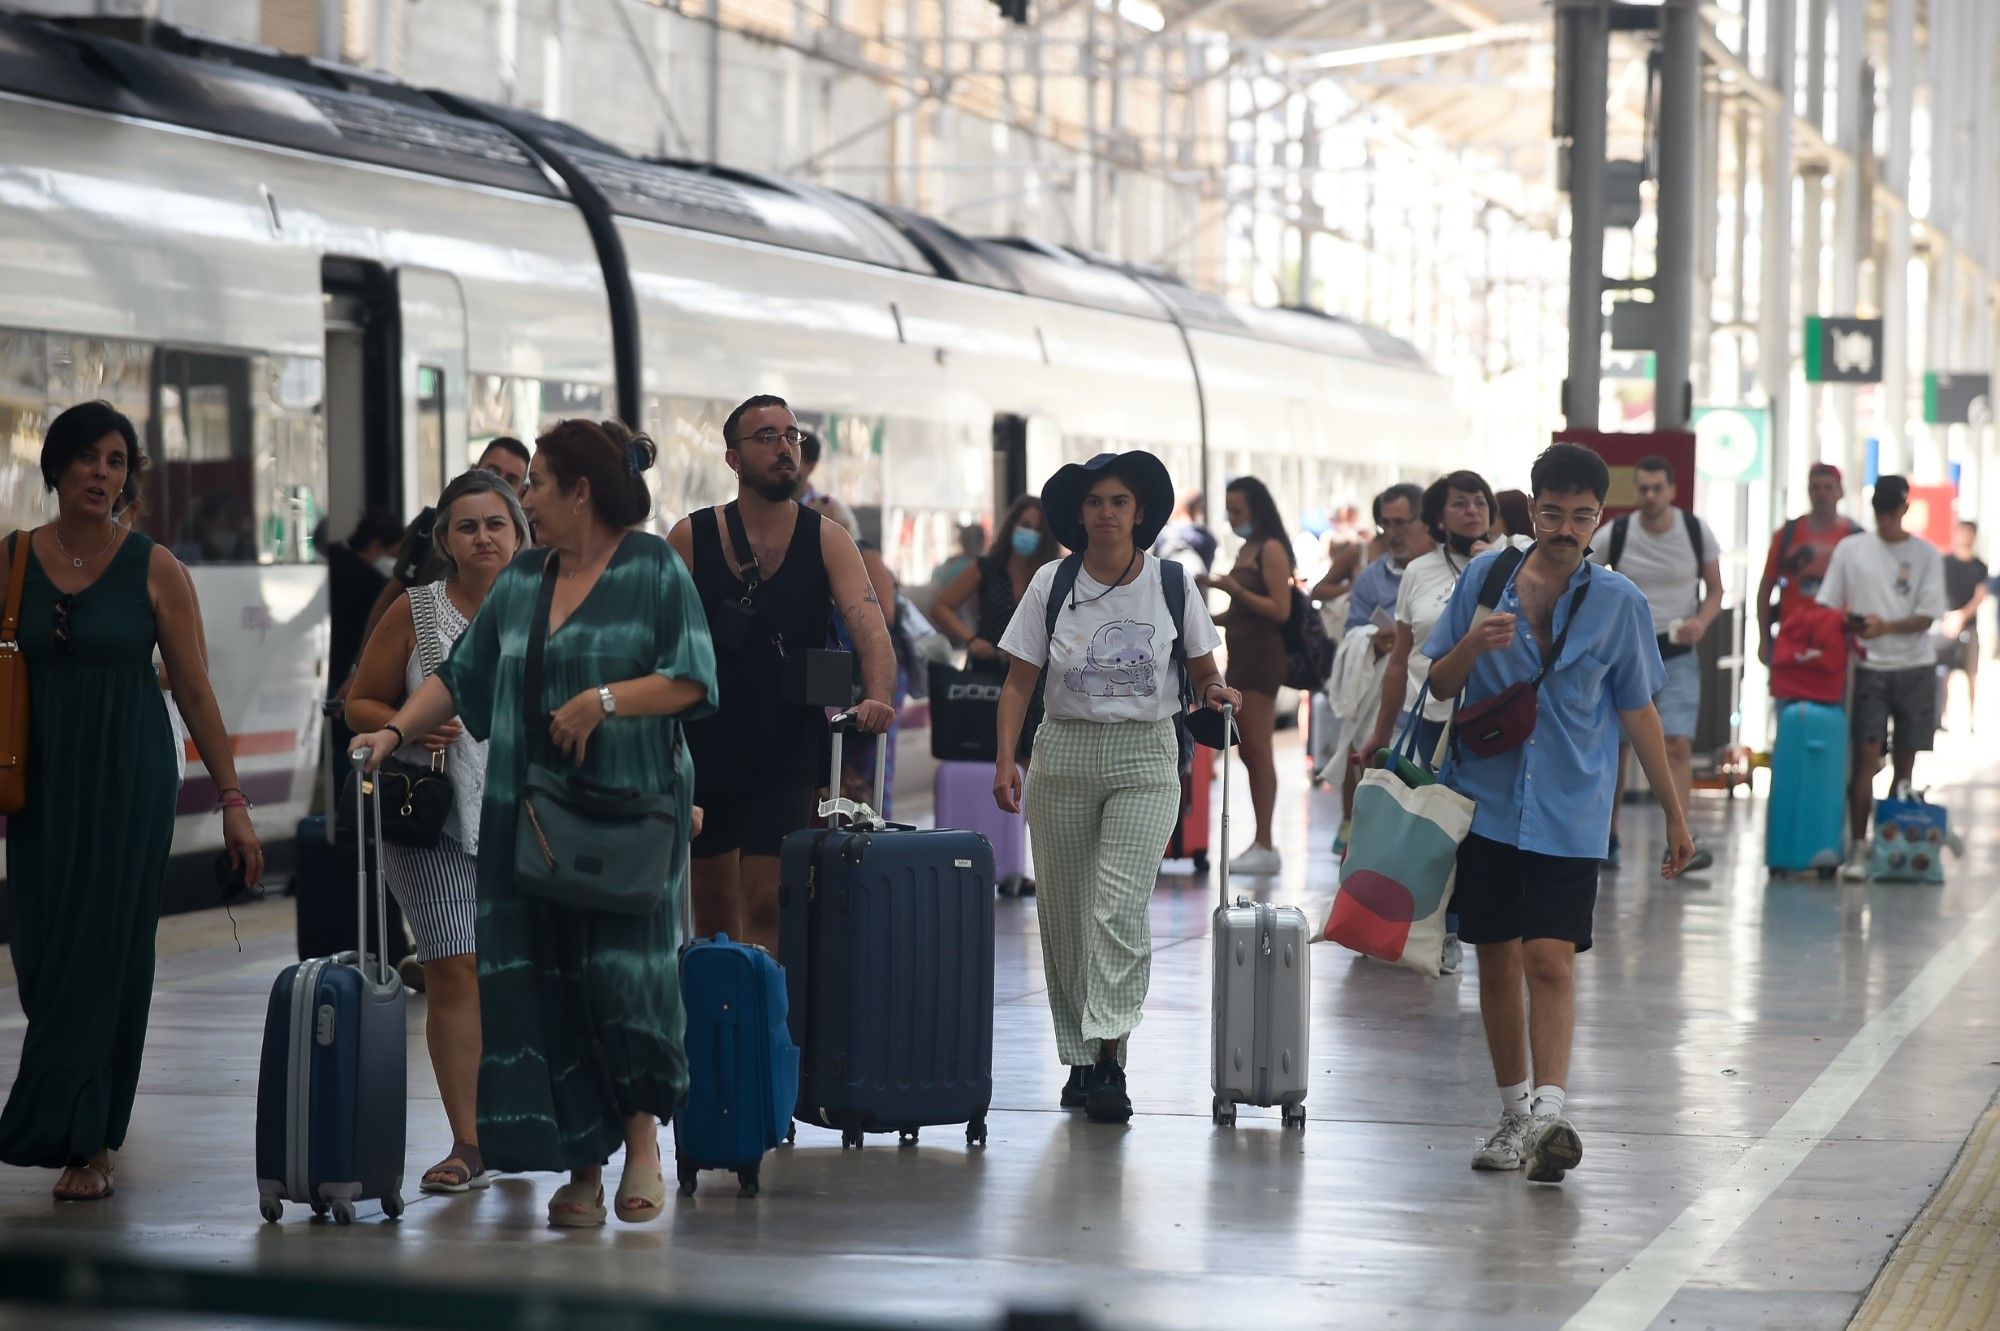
pixel 581 1011
pixel 87 855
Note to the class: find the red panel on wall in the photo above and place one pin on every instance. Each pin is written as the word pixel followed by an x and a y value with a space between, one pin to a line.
pixel 1933 510
pixel 1620 451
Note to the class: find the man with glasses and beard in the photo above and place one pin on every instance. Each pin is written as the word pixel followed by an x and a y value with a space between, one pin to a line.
pixel 1540 778
pixel 769 570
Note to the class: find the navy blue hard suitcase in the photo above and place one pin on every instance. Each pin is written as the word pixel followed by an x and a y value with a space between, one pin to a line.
pixel 743 1069
pixel 331 1086
pixel 887 938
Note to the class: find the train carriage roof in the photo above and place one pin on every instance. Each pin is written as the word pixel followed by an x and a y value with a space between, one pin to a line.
pixel 154 71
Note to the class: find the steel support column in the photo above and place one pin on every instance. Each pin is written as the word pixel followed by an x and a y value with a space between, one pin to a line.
pixel 1584 31
pixel 1895 275
pixel 1852 233
pixel 1774 308
pixel 1677 211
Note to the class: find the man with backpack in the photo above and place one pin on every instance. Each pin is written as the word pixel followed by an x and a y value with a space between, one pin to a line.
pixel 1800 553
pixel 1672 557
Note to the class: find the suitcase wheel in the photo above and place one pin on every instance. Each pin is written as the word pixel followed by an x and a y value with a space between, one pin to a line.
pixel 1200 861
pixel 975 1132
pixel 392 1205
pixel 343 1212
pixel 1027 886
pixel 1295 1117
pixel 906 1137
pixel 850 1137
pixel 688 1176
pixel 319 1210
pixel 791 1133
pixel 271 1209
pixel 1010 886
pixel 748 1184
pixel 1827 871
pixel 1225 1113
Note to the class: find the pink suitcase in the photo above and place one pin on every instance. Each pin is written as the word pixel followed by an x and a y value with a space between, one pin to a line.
pixel 964 799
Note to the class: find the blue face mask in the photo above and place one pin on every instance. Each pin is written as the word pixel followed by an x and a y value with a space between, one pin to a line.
pixel 1026 542
pixel 1242 530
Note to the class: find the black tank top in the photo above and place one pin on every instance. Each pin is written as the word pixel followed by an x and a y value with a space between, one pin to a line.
pixel 755 738
pixel 996 598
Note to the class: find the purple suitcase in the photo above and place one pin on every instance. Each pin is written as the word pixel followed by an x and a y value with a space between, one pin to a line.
pixel 963 798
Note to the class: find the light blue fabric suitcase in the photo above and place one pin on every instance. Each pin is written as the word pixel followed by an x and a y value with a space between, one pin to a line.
pixel 1806 818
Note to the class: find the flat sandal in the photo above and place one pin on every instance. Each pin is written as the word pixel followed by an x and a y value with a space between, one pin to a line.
pixel 463 1171
pixel 588 1196
pixel 646 1186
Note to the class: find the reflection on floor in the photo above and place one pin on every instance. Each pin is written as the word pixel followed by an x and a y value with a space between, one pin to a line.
pixel 1706 1011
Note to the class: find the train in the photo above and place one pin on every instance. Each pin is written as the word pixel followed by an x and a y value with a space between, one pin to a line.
pixel 317 289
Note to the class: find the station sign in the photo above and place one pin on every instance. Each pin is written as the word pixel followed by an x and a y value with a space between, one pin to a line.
pixel 1957 399
pixel 1731 443
pixel 1843 351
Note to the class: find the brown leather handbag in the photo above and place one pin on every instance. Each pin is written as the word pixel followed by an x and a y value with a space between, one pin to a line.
pixel 13 688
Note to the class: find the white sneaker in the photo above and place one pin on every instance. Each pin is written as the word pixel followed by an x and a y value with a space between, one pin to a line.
pixel 1859 861
pixel 1454 954
pixel 1257 860
pixel 1553 1150
pixel 1504 1149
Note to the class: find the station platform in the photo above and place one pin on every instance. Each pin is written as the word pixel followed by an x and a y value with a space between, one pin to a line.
pixel 1771 1081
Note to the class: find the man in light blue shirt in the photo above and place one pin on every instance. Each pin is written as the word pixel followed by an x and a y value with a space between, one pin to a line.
pixel 1527 874
pixel 1375 586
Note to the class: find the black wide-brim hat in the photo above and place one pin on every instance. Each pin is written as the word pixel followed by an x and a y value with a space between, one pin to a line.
pixel 1062 497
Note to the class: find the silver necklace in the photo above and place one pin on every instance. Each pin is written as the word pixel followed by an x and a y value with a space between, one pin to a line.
pixel 75 562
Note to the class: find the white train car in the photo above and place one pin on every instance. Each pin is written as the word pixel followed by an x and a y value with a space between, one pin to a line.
pixel 315 290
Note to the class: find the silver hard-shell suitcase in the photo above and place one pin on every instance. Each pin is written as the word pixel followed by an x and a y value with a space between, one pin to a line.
pixel 1262 999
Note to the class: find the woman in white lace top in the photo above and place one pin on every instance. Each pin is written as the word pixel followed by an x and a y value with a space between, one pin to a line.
pixel 479 528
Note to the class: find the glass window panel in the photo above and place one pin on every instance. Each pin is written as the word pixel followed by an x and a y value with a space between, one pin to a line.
pixel 432 472
pixel 24 417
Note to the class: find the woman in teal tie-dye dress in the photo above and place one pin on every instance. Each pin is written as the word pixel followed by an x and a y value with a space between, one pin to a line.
pixel 581 1010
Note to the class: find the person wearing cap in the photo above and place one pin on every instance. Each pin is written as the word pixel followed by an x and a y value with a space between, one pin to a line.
pixel 1890 584
pixel 1800 553
pixel 1107 753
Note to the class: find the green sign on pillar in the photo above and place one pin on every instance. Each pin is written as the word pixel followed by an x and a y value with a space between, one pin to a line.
pixel 1731 443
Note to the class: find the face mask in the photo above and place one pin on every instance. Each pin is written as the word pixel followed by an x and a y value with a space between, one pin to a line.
pixel 1026 543
pixel 386 565
pixel 1242 530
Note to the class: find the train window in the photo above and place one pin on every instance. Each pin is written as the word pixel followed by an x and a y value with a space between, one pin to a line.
pixel 498 404
pixel 237 449
pixel 432 472
pixel 41 374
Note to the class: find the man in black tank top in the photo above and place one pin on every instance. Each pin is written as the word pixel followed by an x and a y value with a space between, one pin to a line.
pixel 760 759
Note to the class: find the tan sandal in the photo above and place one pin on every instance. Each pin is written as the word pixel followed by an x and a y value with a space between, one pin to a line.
pixel 102 1171
pixel 646 1187
pixel 586 1198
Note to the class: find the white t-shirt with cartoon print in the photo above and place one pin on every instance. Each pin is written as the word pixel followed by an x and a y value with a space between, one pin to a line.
pixel 1112 658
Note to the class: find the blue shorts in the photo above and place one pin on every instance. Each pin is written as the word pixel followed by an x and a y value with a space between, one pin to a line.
pixel 1679 699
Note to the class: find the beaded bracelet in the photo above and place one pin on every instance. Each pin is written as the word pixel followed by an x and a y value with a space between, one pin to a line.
pixel 238 803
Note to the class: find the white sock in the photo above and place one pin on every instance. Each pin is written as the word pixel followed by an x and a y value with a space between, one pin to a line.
pixel 1549 1101
pixel 1514 1099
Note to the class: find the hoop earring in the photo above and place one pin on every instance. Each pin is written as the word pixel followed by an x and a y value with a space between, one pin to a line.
pixel 576 508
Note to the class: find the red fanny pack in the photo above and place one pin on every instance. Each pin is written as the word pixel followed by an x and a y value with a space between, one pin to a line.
pixel 1502 723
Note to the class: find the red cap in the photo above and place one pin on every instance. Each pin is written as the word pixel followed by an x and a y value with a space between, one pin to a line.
pixel 1826 469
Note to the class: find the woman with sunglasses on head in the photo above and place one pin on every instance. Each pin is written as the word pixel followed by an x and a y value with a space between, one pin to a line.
pixel 87 854
pixel 477 529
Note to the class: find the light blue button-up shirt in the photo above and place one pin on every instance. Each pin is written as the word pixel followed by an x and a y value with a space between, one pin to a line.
pixel 1553 794
pixel 1375 587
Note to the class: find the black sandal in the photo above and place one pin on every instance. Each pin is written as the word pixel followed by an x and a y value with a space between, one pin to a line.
pixel 462 1171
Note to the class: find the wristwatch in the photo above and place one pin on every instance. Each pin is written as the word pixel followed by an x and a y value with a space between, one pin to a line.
pixel 607 699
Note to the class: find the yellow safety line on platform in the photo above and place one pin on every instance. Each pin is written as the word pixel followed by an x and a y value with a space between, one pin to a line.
pixel 1945 1274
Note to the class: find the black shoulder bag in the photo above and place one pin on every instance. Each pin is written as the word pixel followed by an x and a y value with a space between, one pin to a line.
pixel 577 843
pixel 417 797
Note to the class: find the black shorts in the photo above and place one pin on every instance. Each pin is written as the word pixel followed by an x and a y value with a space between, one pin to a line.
pixel 755 821
pixel 1504 893
pixel 1907 697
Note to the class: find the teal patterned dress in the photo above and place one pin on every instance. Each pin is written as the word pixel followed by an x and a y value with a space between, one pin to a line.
pixel 581 1011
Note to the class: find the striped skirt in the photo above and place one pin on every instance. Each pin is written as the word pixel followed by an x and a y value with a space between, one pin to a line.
pixel 439 893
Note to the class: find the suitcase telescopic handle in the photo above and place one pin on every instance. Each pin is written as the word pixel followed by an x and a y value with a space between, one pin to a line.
pixel 1228 720
pixel 367 794
pixel 835 805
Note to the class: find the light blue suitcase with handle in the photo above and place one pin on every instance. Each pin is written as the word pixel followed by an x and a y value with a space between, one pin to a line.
pixel 1806 817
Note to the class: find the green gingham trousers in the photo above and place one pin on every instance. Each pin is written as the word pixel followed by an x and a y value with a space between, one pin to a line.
pixel 1101 804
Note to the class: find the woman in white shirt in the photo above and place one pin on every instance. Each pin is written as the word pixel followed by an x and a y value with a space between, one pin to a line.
pixel 1458 511
pixel 478 529
pixel 1107 753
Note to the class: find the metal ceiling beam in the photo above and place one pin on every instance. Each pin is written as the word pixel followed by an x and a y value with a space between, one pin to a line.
pixel 1458 11
pixel 1417 48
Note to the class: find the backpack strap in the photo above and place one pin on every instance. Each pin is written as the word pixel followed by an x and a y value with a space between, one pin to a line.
pixel 1619 530
pixel 1693 525
pixel 1498 574
pixel 1173 586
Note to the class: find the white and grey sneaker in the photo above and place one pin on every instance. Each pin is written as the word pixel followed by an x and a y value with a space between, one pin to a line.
pixel 1553 1150
pixel 1860 861
pixel 1257 860
pixel 1454 954
pixel 1503 1150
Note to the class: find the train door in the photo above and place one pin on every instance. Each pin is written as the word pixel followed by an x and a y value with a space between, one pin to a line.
pixel 363 402
pixel 432 310
pixel 1026 452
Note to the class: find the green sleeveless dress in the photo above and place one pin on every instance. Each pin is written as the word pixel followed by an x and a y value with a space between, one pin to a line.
pixel 581 1012
pixel 86 860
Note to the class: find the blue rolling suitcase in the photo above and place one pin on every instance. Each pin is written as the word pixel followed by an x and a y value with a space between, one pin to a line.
pixel 331 1087
pixel 887 938
pixel 743 1069
pixel 1805 829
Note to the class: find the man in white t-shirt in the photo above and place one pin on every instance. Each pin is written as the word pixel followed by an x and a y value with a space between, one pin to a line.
pixel 1672 557
pixel 1891 585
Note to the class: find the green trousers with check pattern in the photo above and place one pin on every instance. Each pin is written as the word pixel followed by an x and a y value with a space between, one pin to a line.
pixel 1101 804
